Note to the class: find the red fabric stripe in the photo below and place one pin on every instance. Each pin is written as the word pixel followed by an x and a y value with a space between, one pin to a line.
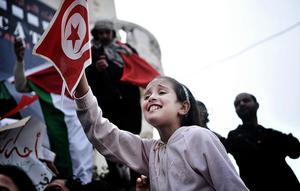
pixel 25 101
pixel 137 71
pixel 49 80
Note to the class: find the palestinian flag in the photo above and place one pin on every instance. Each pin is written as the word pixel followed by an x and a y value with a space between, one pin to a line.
pixel 65 134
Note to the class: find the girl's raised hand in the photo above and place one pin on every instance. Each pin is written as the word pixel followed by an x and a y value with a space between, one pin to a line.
pixel 82 87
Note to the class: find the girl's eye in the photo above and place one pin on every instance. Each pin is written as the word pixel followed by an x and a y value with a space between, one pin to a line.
pixel 146 97
pixel 162 92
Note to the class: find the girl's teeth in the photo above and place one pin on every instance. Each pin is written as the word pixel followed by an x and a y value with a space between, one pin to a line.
pixel 153 108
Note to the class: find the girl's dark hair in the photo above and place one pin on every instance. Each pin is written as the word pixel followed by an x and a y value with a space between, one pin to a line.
pixel 184 94
pixel 18 176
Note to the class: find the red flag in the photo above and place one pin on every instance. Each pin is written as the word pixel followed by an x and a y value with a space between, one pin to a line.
pixel 49 80
pixel 137 71
pixel 66 42
pixel 25 101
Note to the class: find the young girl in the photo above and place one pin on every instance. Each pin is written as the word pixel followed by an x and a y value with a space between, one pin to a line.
pixel 186 157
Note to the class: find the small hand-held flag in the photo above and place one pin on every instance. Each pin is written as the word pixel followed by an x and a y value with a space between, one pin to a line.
pixel 66 42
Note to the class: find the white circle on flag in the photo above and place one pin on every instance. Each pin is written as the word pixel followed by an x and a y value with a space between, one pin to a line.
pixel 73 32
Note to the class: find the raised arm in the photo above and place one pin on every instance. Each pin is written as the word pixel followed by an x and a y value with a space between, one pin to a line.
pixel 82 88
pixel 19 71
pixel 116 145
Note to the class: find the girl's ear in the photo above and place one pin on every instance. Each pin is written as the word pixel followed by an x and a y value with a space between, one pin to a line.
pixel 184 108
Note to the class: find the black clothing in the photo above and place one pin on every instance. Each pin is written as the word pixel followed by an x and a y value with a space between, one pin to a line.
pixel 119 101
pixel 260 154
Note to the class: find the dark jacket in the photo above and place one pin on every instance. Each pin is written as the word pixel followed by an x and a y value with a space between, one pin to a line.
pixel 119 101
pixel 260 154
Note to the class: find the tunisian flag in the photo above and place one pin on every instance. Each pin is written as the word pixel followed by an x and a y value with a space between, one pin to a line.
pixel 66 42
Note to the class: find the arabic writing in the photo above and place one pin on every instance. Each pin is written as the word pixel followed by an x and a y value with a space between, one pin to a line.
pixel 9 147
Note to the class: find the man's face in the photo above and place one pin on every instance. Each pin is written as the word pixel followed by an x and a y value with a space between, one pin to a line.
pixel 105 36
pixel 245 106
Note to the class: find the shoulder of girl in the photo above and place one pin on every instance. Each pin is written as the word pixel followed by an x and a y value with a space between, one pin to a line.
pixel 196 131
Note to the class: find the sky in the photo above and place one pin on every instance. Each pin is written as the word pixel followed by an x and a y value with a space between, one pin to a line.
pixel 220 48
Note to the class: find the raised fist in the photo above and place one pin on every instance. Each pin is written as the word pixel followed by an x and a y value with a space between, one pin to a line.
pixel 19 49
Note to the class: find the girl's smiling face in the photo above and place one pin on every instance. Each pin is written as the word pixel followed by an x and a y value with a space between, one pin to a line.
pixel 160 104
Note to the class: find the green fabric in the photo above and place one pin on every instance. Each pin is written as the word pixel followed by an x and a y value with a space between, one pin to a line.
pixel 57 132
pixel 4 94
pixel 7 102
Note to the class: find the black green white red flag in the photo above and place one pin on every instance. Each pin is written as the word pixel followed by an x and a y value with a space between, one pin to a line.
pixel 66 42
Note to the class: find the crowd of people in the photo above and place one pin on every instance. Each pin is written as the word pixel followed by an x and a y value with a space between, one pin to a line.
pixel 188 155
